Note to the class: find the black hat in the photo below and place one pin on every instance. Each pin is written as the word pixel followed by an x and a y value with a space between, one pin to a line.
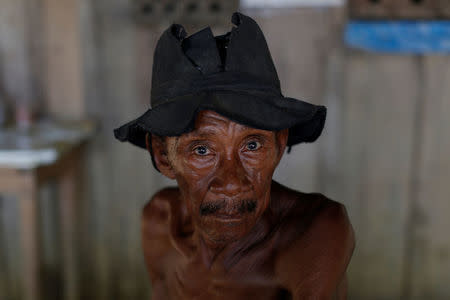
pixel 232 74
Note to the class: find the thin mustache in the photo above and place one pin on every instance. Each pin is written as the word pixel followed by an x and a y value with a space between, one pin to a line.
pixel 241 206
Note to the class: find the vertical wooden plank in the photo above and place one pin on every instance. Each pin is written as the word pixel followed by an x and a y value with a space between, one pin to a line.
pixel 63 59
pixel 373 179
pixel 146 40
pixel 350 166
pixel 431 219
pixel 95 186
pixel 51 256
pixel 15 62
pixel 331 166
pixel 35 50
pixel 29 236
pixel 3 254
pixel 11 256
pixel 390 140
pixel 69 190
pixel 333 89
pixel 118 182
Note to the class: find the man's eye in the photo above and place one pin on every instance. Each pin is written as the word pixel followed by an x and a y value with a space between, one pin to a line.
pixel 253 145
pixel 201 150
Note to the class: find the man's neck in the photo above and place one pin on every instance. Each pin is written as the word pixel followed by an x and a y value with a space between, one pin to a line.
pixel 209 251
pixel 227 253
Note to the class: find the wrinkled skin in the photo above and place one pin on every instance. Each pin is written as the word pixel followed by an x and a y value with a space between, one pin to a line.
pixel 229 232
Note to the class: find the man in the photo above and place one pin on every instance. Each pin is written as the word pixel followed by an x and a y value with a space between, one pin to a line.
pixel 219 126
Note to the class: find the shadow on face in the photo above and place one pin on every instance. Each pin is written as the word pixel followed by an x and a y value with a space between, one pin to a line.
pixel 224 171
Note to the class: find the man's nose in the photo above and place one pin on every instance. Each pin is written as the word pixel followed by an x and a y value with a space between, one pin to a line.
pixel 230 178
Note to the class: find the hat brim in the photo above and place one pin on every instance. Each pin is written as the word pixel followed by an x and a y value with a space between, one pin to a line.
pixel 258 110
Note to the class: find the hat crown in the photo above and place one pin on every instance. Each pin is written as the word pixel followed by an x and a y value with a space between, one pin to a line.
pixel 179 61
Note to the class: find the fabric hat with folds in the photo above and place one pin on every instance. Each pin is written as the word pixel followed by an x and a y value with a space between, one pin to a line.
pixel 232 74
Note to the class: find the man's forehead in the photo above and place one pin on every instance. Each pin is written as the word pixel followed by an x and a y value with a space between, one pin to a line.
pixel 209 116
pixel 208 120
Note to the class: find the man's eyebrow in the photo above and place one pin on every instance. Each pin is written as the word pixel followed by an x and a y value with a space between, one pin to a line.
pixel 205 131
pixel 254 131
pixel 243 127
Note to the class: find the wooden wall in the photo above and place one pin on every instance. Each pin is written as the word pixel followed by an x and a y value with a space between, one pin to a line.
pixel 385 151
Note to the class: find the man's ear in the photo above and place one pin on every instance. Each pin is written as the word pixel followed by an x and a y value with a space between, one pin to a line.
pixel 282 137
pixel 157 148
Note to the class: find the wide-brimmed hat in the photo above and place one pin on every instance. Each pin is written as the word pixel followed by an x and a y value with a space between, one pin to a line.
pixel 232 74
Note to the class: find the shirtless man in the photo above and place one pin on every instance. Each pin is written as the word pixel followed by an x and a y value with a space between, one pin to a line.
pixel 228 231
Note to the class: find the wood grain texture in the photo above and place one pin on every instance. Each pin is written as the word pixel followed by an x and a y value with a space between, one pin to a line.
pixel 120 177
pixel 3 257
pixel 27 195
pixel 371 170
pixel 69 191
pixel 15 59
pixel 430 261
pixel 9 244
pixel 62 55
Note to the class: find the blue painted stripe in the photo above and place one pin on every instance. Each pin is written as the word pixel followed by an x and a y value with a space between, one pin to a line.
pixel 408 37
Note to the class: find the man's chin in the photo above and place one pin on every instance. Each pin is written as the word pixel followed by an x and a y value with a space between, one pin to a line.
pixel 225 220
pixel 225 228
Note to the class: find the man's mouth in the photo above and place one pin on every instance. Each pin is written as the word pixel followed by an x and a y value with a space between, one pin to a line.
pixel 228 209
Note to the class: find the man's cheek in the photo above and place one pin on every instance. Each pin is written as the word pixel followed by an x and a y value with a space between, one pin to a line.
pixel 261 175
pixel 196 172
pixel 199 189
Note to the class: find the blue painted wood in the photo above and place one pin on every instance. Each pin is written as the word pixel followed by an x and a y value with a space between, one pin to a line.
pixel 402 37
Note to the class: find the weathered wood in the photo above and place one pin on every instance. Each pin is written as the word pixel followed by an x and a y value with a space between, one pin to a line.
pixel 24 186
pixel 350 157
pixel 3 254
pixel 374 168
pixel 62 51
pixel 430 259
pixel 11 257
pixel 119 194
pixel 27 195
pixel 15 60
pixel 51 254
pixel 138 277
pixel 69 191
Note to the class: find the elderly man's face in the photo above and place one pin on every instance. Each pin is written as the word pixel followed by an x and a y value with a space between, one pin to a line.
pixel 224 172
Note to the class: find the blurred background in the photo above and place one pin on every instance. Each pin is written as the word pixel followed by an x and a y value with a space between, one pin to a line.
pixel 71 195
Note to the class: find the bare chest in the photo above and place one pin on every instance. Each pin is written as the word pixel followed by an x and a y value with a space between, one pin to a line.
pixel 193 280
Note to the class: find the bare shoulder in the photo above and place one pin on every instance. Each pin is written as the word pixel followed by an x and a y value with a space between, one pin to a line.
pixel 156 210
pixel 312 214
pixel 155 229
pixel 316 254
pixel 331 219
